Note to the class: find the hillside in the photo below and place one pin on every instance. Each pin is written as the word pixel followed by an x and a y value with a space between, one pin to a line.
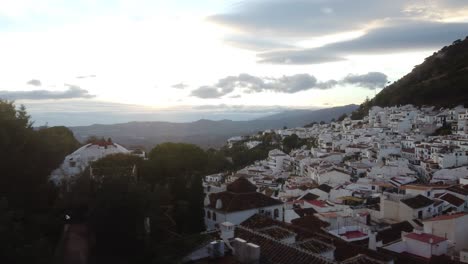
pixel 301 117
pixel 441 80
pixel 206 133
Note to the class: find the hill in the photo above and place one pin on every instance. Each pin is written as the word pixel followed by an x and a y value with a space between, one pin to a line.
pixel 206 133
pixel 301 117
pixel 441 80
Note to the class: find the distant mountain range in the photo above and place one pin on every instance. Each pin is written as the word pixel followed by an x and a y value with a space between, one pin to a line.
pixel 206 133
pixel 441 80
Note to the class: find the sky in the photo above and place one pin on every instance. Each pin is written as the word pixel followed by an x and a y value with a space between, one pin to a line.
pixel 102 61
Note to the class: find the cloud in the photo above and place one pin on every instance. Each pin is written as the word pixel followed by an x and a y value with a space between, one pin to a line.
pixel 34 82
pixel 399 36
pixel 255 43
pixel 299 18
pixel 305 17
pixel 73 91
pixel 370 80
pixel 247 83
pixel 207 92
pixel 179 86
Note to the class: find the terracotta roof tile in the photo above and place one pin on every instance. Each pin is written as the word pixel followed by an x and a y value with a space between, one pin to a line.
pixel 233 202
pixel 445 217
pixel 241 185
pixel 426 238
pixel 418 201
pixel 452 199
pixel 273 251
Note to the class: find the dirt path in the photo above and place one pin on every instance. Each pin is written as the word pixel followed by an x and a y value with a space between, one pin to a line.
pixel 76 247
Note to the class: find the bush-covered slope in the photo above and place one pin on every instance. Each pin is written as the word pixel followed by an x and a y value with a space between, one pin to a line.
pixel 441 80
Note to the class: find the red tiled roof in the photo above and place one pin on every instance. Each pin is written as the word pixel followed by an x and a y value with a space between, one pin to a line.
pixel 426 238
pixel 318 203
pixel 452 199
pixel 458 189
pixel 419 201
pixel 445 217
pixel 241 185
pixel 233 202
pixel 354 234
pixel 273 251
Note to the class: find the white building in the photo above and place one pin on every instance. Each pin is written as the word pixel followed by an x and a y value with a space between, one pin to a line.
pixel 239 202
pixel 79 160
pixel 420 244
pixel 454 227
pixel 278 160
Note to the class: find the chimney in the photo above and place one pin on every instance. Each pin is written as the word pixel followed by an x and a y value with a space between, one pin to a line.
pixel 372 240
pixel 253 253
pixel 217 249
pixel 246 253
pixel 227 230
pixel 240 246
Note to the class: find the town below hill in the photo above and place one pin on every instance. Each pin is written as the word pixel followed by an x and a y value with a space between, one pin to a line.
pixel 391 187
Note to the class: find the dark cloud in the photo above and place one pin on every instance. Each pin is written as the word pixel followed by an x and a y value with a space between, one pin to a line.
pixel 399 36
pixel 179 86
pixel 73 91
pixel 307 18
pixel 273 26
pixel 34 82
pixel 207 92
pixel 247 83
pixel 370 80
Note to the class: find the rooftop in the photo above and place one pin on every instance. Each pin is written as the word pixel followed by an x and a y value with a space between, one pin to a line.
pixel 446 217
pixel 452 199
pixel 425 238
pixel 417 202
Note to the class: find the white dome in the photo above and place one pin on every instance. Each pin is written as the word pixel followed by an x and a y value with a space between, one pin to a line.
pixel 77 162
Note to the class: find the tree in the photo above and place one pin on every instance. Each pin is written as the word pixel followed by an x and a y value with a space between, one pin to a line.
pixel 30 226
pixel 291 142
pixel 342 117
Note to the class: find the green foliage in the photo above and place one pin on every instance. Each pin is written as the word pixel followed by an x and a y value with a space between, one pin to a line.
pixel 443 131
pixel 242 156
pixel 168 189
pixel 440 80
pixel 291 142
pixel 117 213
pixel 311 124
pixel 30 225
pixel 342 117
pixel 362 111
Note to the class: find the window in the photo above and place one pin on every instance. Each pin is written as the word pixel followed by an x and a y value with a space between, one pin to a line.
pixel 429 209
pixel 72 163
pixel 214 216
pixel 420 214
pixel 209 215
pixel 276 213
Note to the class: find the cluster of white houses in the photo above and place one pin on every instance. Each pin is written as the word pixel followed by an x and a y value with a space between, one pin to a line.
pixel 388 186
